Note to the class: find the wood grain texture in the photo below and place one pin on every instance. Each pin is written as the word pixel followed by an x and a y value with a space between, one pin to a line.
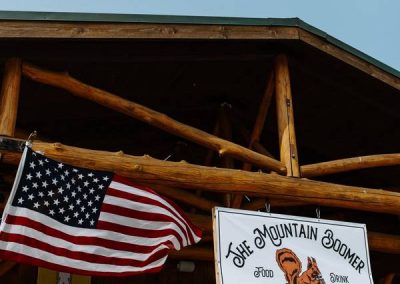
pixel 154 118
pixel 284 109
pixel 350 164
pixel 10 96
pixel 148 170
pixel 82 30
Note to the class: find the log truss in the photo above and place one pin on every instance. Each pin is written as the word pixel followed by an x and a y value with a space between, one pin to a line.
pixel 285 184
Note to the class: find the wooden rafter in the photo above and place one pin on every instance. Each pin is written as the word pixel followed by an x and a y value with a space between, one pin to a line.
pixel 154 118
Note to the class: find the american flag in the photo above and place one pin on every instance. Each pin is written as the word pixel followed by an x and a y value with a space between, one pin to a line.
pixel 88 222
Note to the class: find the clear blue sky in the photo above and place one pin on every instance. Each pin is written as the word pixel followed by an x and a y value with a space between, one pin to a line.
pixel 370 26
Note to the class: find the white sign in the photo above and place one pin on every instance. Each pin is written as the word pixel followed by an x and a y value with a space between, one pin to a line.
pixel 255 247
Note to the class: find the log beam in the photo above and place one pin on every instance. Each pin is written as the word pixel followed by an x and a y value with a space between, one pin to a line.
pixel 350 164
pixel 285 117
pixel 384 243
pixel 154 118
pixel 10 96
pixel 257 129
pixel 184 175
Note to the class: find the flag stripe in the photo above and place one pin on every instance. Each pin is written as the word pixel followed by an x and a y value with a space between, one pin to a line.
pixel 104 238
pixel 86 246
pixel 56 267
pixel 131 200
pixel 126 185
pixel 103 225
pixel 25 253
pixel 80 255
pixel 138 219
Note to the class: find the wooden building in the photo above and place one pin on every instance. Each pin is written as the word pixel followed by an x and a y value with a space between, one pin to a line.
pixel 209 111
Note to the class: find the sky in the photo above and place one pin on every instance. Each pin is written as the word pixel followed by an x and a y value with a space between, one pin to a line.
pixel 370 26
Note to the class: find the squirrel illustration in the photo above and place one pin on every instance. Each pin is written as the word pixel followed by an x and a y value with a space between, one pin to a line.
pixel 290 264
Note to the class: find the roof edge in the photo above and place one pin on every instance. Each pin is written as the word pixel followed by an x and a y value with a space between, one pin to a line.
pixel 200 20
pixel 143 18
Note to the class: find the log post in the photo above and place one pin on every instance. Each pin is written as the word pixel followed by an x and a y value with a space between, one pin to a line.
pixel 9 96
pixel 257 129
pixel 285 117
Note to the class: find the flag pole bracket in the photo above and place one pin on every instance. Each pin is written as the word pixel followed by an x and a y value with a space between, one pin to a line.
pixel 12 144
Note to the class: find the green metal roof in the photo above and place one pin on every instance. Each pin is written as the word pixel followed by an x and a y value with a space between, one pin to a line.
pixel 199 20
